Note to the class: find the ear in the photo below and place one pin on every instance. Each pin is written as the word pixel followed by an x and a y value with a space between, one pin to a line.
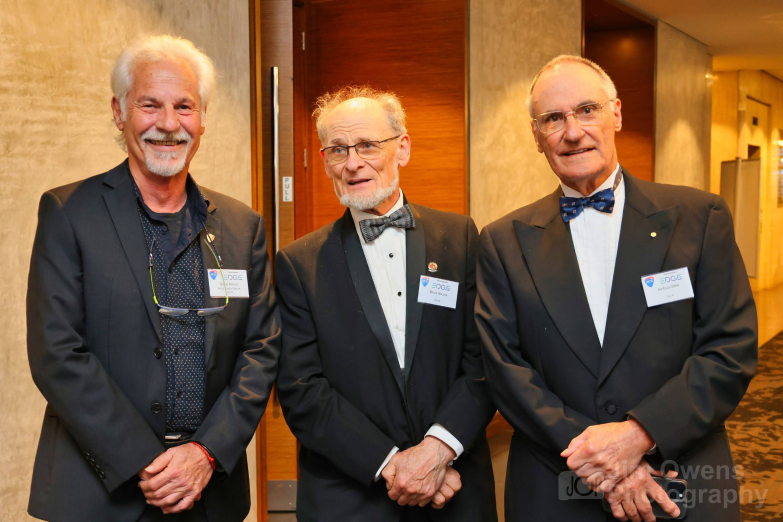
pixel 204 120
pixel 404 150
pixel 326 165
pixel 618 117
pixel 536 135
pixel 117 114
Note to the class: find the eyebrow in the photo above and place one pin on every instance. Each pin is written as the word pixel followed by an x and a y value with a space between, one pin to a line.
pixel 583 102
pixel 152 99
pixel 339 141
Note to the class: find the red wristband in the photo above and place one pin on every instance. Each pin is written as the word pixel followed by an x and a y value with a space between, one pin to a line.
pixel 209 458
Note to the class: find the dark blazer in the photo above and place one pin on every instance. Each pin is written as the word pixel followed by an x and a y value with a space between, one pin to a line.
pixel 340 384
pixel 93 342
pixel 680 368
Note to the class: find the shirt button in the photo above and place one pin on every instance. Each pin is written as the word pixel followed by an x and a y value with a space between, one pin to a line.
pixel 164 228
pixel 399 293
pixel 158 353
pixel 157 407
pixel 176 351
pixel 179 394
pixel 391 255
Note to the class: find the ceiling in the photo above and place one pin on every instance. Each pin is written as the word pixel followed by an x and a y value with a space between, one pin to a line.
pixel 740 34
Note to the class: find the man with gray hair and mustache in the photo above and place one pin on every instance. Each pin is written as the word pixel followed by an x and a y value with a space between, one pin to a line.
pixel 152 326
pixel 381 377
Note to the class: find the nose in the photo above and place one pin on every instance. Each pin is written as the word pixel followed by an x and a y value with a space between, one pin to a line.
pixel 573 129
pixel 168 119
pixel 353 162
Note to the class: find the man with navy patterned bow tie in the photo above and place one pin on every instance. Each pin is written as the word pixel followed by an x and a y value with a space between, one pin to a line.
pixel 384 390
pixel 595 375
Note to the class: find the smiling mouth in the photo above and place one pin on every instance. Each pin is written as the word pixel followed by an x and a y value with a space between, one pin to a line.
pixel 576 152
pixel 165 143
pixel 354 182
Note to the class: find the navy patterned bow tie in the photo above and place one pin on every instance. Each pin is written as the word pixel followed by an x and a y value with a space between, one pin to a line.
pixel 602 201
pixel 372 228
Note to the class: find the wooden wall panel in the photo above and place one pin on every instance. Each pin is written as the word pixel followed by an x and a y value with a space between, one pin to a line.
pixel 416 49
pixel 628 56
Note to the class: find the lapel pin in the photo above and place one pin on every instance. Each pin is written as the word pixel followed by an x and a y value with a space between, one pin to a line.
pixel 211 237
pixel 653 234
pixel 432 267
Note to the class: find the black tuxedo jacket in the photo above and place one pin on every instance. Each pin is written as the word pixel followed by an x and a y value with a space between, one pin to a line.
pixel 679 368
pixel 93 338
pixel 340 384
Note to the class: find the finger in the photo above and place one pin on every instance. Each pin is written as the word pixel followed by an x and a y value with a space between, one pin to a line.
pixel 643 506
pixel 659 495
pixel 630 510
pixel 594 481
pixel 167 501
pixel 452 480
pixel 158 481
pixel 183 505
pixel 574 445
pixel 438 501
pixel 160 463
pixel 446 492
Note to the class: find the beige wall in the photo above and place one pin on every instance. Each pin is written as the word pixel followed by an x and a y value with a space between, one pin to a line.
pixel 509 42
pixel 682 109
pixel 725 91
pixel 56 127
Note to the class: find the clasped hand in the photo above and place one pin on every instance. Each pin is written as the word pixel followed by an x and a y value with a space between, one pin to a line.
pixel 421 474
pixel 175 479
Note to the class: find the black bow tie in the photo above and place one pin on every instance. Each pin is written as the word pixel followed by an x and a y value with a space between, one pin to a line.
pixel 372 228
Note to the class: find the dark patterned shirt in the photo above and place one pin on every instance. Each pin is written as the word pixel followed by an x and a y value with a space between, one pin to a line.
pixel 178 274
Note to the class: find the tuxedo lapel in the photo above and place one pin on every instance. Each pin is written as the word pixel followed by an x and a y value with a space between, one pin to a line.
pixel 214 226
pixel 415 263
pixel 367 294
pixel 639 253
pixel 550 256
pixel 124 213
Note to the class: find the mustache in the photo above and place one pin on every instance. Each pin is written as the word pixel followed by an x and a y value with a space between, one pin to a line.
pixel 156 135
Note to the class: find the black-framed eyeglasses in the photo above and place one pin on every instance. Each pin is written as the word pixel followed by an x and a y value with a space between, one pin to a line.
pixel 554 121
pixel 364 149
pixel 172 311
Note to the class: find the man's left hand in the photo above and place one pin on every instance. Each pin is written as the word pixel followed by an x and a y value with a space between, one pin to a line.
pixel 174 480
pixel 604 454
pixel 420 472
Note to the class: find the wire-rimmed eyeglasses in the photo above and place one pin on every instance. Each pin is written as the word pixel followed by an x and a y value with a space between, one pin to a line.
pixel 364 149
pixel 172 311
pixel 586 114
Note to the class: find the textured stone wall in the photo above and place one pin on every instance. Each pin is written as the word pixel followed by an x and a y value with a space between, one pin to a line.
pixel 56 127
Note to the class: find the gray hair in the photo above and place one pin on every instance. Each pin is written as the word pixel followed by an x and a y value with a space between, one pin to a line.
pixel 611 90
pixel 158 48
pixel 389 101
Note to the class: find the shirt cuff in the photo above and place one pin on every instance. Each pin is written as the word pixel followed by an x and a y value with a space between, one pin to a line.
pixel 394 450
pixel 442 434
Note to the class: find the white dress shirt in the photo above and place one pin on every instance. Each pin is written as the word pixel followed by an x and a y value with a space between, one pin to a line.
pixel 386 259
pixel 596 236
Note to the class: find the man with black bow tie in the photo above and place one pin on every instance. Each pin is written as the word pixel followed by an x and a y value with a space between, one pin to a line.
pixel 381 376
pixel 617 321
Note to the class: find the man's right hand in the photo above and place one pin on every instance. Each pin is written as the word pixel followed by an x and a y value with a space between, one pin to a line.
pixel 629 498
pixel 451 484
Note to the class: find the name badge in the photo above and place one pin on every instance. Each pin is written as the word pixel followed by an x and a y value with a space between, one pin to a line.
pixel 236 283
pixel 440 292
pixel 667 287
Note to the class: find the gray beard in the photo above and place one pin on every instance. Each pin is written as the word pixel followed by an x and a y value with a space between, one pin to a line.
pixel 161 163
pixel 370 201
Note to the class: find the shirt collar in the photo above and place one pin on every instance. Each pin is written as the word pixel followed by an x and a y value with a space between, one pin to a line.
pixel 571 193
pixel 359 215
pixel 195 198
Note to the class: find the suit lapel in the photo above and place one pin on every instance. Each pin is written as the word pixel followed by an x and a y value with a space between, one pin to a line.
pixel 549 252
pixel 213 226
pixel 368 296
pixel 415 262
pixel 125 216
pixel 638 254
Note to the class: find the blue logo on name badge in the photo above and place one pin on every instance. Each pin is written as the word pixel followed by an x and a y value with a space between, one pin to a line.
pixel 649 281
pixel 425 281
pixel 213 274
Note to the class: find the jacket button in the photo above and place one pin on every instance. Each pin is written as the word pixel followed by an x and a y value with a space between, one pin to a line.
pixel 157 407
pixel 611 409
pixel 102 474
pixel 158 353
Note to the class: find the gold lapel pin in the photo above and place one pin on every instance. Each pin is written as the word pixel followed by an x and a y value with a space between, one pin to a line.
pixel 211 237
pixel 432 267
pixel 653 234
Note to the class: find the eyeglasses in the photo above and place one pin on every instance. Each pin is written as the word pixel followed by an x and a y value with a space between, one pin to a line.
pixel 176 312
pixel 365 150
pixel 554 121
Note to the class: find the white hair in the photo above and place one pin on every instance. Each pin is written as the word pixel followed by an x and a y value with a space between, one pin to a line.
pixel 159 48
pixel 389 101
pixel 609 87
